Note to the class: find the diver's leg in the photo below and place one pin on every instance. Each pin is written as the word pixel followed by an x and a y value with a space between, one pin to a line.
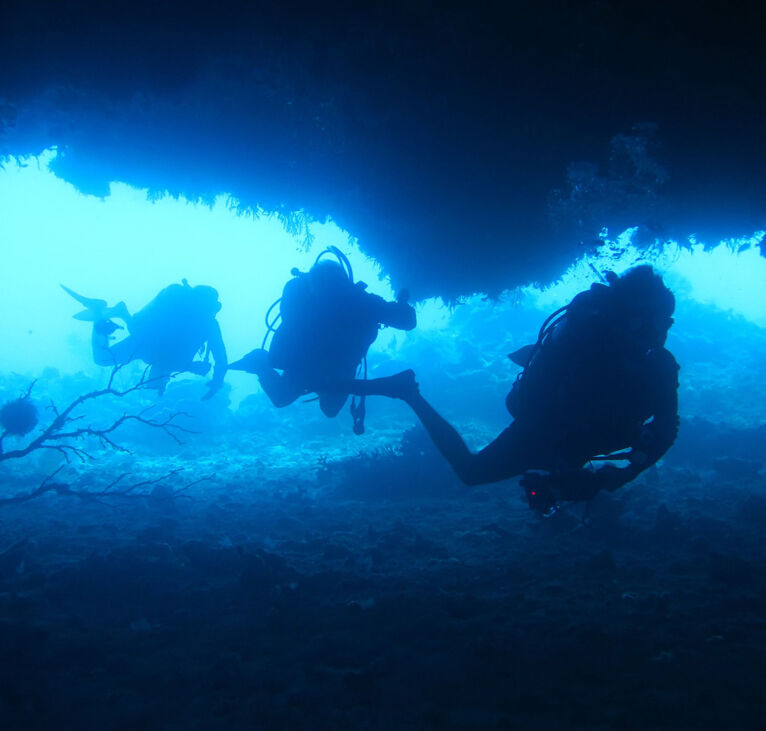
pixel 199 367
pixel 502 458
pixel 121 312
pixel 104 355
pixel 158 379
pixel 280 389
pixel 445 437
pixel 391 386
pixel 404 386
pixel 331 403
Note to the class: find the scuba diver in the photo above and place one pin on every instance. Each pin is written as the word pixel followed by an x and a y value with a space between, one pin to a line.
pixel 167 334
pixel 327 322
pixel 597 385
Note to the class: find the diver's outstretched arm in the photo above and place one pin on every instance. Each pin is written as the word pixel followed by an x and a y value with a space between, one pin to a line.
pixel 218 350
pixel 659 434
pixel 399 314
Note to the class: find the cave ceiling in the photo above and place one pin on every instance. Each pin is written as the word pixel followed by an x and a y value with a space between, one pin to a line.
pixel 449 138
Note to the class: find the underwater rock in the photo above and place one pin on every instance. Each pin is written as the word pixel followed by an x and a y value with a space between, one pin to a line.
pixel 140 626
pixel 211 560
pixel 752 510
pixel 735 468
pixel 605 511
pixel 162 499
pixel 656 602
pixel 663 657
pixel 261 571
pixel 12 559
pixel 701 443
pixel 227 673
pixel 729 569
pixel 336 552
pixel 666 522
pixel 602 562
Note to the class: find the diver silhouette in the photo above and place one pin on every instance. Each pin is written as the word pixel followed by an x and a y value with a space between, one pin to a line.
pixel 167 334
pixel 328 323
pixel 598 384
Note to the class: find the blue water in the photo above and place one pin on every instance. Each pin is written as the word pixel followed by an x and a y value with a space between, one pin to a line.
pixel 263 568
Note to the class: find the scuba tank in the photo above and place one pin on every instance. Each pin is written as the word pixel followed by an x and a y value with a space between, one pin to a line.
pixel 274 320
pixel 589 309
pixel 517 397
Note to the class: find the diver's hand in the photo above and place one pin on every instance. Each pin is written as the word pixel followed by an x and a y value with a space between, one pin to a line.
pixel 582 484
pixel 540 489
pixel 585 484
pixel 106 327
pixel 546 489
pixel 199 367
pixel 213 387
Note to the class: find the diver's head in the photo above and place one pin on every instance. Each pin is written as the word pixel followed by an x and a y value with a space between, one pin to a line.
pixel 207 299
pixel 327 275
pixel 645 304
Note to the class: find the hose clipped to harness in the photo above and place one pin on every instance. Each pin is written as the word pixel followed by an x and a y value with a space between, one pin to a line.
pixel 272 323
pixel 358 408
pixel 342 260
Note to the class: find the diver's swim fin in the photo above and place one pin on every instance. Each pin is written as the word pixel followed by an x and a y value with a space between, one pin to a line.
pixel 95 309
pixel 522 356
pixel 254 362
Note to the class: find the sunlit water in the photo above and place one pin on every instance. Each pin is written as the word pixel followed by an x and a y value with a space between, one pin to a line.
pixel 129 245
